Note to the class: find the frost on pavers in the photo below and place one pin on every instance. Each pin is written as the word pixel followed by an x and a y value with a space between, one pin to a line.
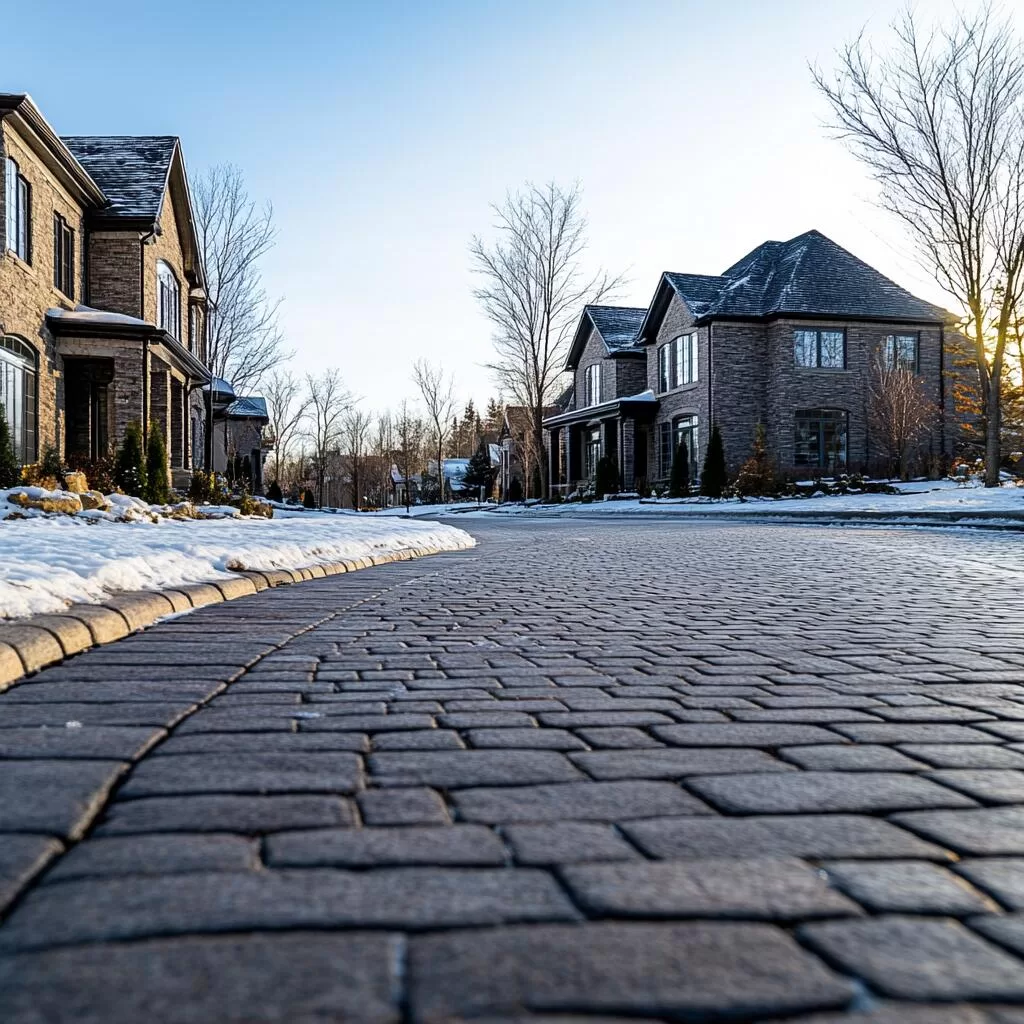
pixel 470 768
pixel 907 887
pixel 675 763
pixel 1003 877
pixel 919 958
pixel 260 742
pixel 209 978
pixel 967 755
pixel 103 910
pixel 250 815
pixel 99 857
pixel 684 971
pixel 21 858
pixel 851 757
pixel 13 716
pixel 990 786
pixel 112 742
pixel 316 772
pixel 765 889
pixel 447 845
pixel 789 793
pixel 567 842
pixel 744 734
pixel 985 831
pixel 58 798
pixel 579 801
pixel 811 835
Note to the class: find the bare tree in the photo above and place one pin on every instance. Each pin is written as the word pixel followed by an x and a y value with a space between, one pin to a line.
pixel 328 402
pixel 286 406
pixel 355 431
pixel 939 122
pixel 533 291
pixel 243 338
pixel 438 394
pixel 901 414
pixel 408 453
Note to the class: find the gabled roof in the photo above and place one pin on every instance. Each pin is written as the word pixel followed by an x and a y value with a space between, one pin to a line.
pixel 52 150
pixel 132 170
pixel 616 326
pixel 810 275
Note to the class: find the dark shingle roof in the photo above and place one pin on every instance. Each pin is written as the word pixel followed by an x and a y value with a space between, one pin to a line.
pixel 249 407
pixel 809 275
pixel 617 325
pixel 131 170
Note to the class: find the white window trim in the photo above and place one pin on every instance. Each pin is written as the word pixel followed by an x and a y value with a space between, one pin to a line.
pixel 168 312
pixel 678 363
pixel 592 385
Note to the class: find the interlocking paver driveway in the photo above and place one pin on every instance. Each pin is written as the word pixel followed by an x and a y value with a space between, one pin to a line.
pixel 591 769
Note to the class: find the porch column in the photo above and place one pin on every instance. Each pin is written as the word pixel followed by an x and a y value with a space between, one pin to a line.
pixel 627 445
pixel 176 440
pixel 554 475
pixel 160 402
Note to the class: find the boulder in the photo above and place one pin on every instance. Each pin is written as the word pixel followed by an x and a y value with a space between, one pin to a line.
pixel 47 501
pixel 76 482
pixel 93 499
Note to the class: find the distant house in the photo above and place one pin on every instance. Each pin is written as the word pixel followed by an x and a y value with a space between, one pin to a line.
pixel 518 458
pixel 788 338
pixel 241 440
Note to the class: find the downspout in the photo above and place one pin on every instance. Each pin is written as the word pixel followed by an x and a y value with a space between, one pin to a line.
pixel 143 242
pixel 942 391
pixel 711 377
pixel 209 404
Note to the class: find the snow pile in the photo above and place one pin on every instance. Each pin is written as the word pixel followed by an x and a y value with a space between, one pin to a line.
pixel 50 561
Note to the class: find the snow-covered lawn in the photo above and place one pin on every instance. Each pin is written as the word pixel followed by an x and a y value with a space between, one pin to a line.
pixel 920 496
pixel 48 562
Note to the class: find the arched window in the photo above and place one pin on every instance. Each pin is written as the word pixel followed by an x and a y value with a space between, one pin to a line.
pixel 168 300
pixel 18 395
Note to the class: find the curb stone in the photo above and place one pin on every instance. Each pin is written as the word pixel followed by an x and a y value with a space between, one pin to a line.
pixel 28 645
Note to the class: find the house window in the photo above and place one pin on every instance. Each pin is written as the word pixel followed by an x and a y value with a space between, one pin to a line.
pixel 592 384
pixel 592 454
pixel 821 438
pixel 901 352
pixel 194 333
pixel 18 395
pixel 824 350
pixel 63 256
pixel 677 362
pixel 18 198
pixel 685 432
pixel 168 300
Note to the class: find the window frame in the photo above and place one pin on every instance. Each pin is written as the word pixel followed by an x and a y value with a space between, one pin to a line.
pixel 889 360
pixel 18 219
pixel 17 356
pixel 677 363
pixel 168 285
pixel 63 256
pixel 800 334
pixel 821 417
pixel 592 380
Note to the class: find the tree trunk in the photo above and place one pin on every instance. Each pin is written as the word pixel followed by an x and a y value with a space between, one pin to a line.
pixel 993 429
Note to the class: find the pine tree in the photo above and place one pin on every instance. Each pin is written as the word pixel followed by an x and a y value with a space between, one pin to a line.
pixel 679 482
pixel 308 498
pixel 130 467
pixel 757 475
pixel 713 478
pixel 274 492
pixel 479 472
pixel 10 471
pixel 157 490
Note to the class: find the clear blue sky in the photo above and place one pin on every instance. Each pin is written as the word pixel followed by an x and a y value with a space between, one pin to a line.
pixel 380 131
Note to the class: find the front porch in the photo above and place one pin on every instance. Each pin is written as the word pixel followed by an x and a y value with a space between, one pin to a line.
pixel 118 370
pixel 580 438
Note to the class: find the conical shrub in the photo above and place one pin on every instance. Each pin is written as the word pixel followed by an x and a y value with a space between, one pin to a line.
pixel 158 491
pixel 130 466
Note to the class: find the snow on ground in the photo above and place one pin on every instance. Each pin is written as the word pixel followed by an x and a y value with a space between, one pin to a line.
pixel 920 496
pixel 48 562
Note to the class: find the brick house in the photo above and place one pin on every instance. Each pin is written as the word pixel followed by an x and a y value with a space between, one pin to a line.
pixel 788 337
pixel 102 295
pixel 516 445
